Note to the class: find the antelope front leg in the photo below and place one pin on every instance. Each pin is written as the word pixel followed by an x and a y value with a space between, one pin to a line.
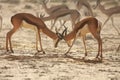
pixel 68 50
pixel 70 47
pixel 0 23
pixel 38 37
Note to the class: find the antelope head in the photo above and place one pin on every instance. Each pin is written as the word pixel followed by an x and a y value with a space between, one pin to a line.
pixel 97 3
pixel 60 36
pixel 44 2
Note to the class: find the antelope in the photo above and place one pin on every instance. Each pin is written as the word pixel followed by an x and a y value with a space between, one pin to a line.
pixel 29 21
pixel 87 25
pixel 53 9
pixel 72 15
pixel 0 23
pixel 109 12
pixel 85 3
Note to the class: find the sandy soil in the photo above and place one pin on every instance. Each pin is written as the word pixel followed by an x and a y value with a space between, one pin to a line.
pixel 23 65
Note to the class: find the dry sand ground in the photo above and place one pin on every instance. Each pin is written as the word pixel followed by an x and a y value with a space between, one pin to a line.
pixel 22 65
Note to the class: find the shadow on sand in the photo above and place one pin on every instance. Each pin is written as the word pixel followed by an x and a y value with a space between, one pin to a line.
pixel 47 56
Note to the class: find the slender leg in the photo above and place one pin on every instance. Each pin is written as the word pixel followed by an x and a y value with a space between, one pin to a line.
pixel 99 47
pixel 84 45
pixel 114 25
pixel 0 23
pixel 96 35
pixel 118 49
pixel 63 23
pixel 16 24
pixel 70 46
pixel 53 24
pixel 8 39
pixel 39 37
pixel 77 34
pixel 105 21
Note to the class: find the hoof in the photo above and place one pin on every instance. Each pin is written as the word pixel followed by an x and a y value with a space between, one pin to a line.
pixel 66 54
pixel 7 50
pixel 6 53
pixel 12 51
pixel 85 58
pixel 43 52
pixel 37 53
pixel 98 59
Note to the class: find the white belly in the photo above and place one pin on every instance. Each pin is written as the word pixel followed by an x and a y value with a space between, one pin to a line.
pixel 27 25
pixel 83 31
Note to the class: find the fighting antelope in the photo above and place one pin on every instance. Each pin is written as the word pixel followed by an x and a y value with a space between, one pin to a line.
pixel 87 25
pixel 109 12
pixel 29 21
pixel 0 23
pixel 65 15
pixel 53 9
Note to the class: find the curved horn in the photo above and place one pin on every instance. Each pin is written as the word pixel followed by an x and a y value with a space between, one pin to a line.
pixel 65 31
pixel 61 36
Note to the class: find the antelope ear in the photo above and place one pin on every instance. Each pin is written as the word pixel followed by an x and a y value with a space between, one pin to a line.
pixel 46 1
pixel 64 33
pixel 42 15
